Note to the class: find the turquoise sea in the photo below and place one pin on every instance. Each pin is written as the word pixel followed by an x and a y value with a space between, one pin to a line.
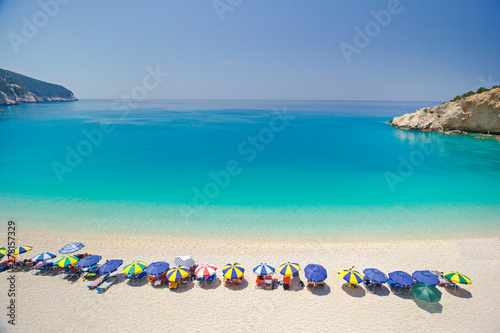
pixel 309 170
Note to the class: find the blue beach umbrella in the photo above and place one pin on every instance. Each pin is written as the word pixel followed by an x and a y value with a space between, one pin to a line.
pixel 426 277
pixel 110 266
pixel 89 261
pixel 71 247
pixel 402 278
pixel 315 273
pixel 374 275
pixel 44 256
pixel 157 268
pixel 263 269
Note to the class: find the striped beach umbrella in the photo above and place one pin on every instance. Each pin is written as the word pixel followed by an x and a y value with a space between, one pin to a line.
pixel 263 269
pixel 351 276
pixel 3 252
pixel 71 247
pixel 426 293
pixel 66 261
pixel 44 256
pixel 233 271
pixel 89 261
pixel 289 269
pixel 205 270
pixel 177 273
pixel 457 278
pixel 21 250
pixel 135 267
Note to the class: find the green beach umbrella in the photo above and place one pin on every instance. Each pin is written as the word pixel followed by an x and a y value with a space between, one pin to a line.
pixel 426 293
pixel 135 267
pixel 66 261
pixel 3 252
pixel 457 278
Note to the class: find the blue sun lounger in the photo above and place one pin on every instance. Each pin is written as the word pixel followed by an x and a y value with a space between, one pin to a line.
pixel 137 278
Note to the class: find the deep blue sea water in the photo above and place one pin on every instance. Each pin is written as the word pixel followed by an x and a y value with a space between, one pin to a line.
pixel 282 169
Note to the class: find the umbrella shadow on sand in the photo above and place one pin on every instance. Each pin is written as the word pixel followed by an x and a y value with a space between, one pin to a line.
pixel 379 291
pixel 459 292
pixel 241 286
pixel 357 291
pixel 183 289
pixel 429 307
pixel 216 284
pixel 320 291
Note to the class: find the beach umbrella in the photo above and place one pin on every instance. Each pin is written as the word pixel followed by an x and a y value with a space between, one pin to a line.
pixel 426 293
pixel 263 269
pixel 402 278
pixel 66 261
pixel 426 277
pixel 3 252
pixel 21 250
pixel 110 266
pixel 233 271
pixel 89 261
pixel 135 267
pixel 185 261
pixel 157 268
pixel 44 256
pixel 289 269
pixel 177 273
pixel 351 276
pixel 457 278
pixel 315 273
pixel 374 275
pixel 205 270
pixel 71 247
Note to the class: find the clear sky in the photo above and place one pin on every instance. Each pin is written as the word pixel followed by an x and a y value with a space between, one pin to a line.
pixel 260 49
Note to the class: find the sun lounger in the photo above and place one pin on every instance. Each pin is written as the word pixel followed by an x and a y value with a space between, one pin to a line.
pixel 97 282
pixel 259 283
pixel 268 281
pixel 107 283
pixel 137 278
pixel 173 285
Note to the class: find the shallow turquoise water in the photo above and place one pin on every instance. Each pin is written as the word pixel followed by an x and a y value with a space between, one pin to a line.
pixel 308 170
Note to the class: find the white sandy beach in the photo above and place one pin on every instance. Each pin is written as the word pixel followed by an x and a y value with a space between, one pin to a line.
pixel 53 304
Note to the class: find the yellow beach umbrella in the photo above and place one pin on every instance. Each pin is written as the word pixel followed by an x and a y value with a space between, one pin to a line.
pixel 21 250
pixel 135 267
pixel 3 251
pixel 177 273
pixel 289 269
pixel 66 261
pixel 457 278
pixel 351 276
pixel 233 271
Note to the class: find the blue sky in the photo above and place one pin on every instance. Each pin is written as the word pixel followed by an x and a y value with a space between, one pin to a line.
pixel 281 49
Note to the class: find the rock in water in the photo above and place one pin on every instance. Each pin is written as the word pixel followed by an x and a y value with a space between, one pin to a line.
pixel 479 113
pixel 16 88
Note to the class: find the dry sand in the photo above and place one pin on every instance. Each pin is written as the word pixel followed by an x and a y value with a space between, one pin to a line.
pixel 53 304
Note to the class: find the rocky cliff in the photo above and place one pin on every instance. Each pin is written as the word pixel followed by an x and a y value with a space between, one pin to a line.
pixel 16 88
pixel 478 113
